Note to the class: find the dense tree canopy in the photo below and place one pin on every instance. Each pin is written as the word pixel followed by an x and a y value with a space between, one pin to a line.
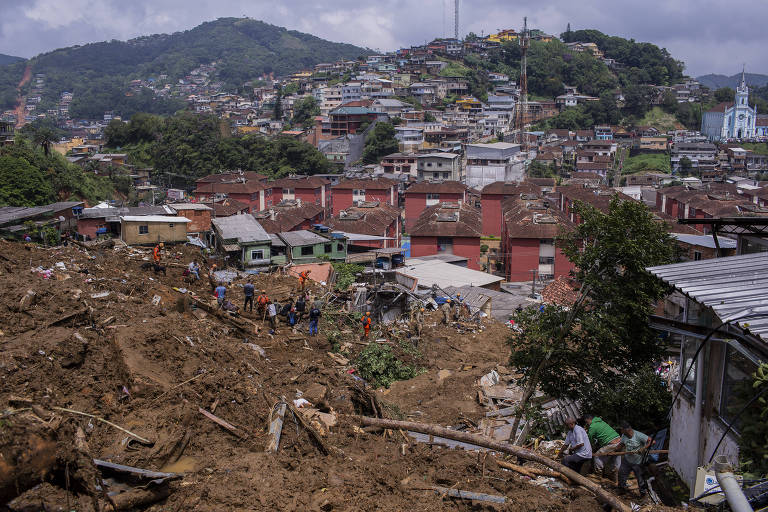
pixel 28 177
pixel 380 142
pixel 188 146
pixel 99 74
pixel 305 110
pixel 579 351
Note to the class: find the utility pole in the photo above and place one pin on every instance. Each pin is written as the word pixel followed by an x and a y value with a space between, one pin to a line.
pixel 456 20
pixel 522 104
pixel 533 283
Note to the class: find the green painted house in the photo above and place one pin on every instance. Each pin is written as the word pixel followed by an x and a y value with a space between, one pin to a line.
pixel 309 247
pixel 242 240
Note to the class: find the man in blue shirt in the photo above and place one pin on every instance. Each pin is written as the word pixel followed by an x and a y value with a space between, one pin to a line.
pixel 248 290
pixel 220 292
pixel 576 446
pixel 635 443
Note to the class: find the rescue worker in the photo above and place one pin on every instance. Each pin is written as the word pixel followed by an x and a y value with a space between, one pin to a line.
pixel 303 279
pixel 261 302
pixel 221 293
pixel 301 307
pixel 212 277
pixel 457 307
pixel 366 320
pixel 418 321
pixel 194 269
pixel 314 319
pixel 272 312
pixel 248 292
pixel 446 309
pixel 156 252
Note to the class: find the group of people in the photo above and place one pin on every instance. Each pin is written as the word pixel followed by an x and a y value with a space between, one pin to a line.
pixel 453 308
pixel 293 311
pixel 598 441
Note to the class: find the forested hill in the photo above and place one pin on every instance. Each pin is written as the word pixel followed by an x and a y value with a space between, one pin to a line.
pixel 243 49
pixel 720 81
pixel 8 59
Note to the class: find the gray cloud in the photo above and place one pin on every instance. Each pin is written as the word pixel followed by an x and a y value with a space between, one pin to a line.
pixel 709 36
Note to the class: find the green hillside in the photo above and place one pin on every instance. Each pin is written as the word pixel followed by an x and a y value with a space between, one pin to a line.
pixel 8 59
pixel 243 49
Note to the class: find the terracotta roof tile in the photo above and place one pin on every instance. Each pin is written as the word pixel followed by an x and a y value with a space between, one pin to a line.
pixel 449 220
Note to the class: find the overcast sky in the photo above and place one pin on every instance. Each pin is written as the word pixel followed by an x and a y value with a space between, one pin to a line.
pixel 710 36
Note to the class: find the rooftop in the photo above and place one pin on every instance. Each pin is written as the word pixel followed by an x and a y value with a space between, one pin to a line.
pixel 154 218
pixel 734 287
pixel 302 237
pixel 433 272
pixel 243 228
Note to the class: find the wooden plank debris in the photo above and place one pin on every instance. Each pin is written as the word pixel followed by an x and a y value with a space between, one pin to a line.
pixel 602 495
pixel 222 423
pixel 276 428
pixel 464 495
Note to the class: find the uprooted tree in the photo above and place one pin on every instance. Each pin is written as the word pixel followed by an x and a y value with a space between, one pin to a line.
pixel 604 335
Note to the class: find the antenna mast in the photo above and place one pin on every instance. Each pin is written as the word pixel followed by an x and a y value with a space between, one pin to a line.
pixel 456 20
pixel 522 110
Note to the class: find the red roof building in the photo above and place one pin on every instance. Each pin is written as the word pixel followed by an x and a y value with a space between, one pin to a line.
pixel 348 192
pixel 528 241
pixel 369 218
pixel 307 189
pixel 448 228
pixel 420 196
pixel 496 193
pixel 290 215
pixel 249 188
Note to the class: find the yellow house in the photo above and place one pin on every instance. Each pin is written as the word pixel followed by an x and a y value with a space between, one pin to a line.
pixel 67 146
pixel 504 35
pixel 151 229
pixel 468 103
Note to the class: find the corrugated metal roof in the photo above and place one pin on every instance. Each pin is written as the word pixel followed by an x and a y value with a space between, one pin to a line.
pixel 154 218
pixel 705 240
pixel 302 237
pixel 243 228
pixel 733 287
pixel 445 274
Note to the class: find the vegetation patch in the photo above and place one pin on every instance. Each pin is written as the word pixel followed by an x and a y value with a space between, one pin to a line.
pixel 379 365
pixel 647 162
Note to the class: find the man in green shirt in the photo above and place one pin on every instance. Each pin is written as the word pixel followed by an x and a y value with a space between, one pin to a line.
pixel 634 442
pixel 604 441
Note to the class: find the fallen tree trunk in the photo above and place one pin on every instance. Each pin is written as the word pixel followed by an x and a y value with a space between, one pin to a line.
pixel 533 472
pixel 601 494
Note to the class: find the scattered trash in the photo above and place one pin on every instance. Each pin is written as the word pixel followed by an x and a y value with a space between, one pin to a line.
pixel 301 402
pixel 100 295
pixel 156 300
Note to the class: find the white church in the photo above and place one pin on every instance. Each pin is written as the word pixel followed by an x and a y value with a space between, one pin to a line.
pixel 731 120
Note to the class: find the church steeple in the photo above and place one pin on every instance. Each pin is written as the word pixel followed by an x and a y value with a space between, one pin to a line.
pixel 742 91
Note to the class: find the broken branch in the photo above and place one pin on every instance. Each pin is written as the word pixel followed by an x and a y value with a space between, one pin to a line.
pixel 222 423
pixel 601 494
pixel 118 427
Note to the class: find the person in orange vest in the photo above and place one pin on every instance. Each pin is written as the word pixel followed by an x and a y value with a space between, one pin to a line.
pixel 366 324
pixel 262 301
pixel 156 252
pixel 303 278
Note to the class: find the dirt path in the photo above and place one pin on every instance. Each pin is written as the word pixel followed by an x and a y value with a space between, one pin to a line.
pixel 22 100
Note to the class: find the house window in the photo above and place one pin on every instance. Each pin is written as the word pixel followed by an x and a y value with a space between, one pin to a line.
pixel 288 191
pixel 445 244
pixel 170 225
pixel 429 164
pixel 340 247
pixel 446 175
pixel 546 260
pixel 736 390
pixel 307 250
pixel 688 349
pixel 144 230
pixel 696 256
pixel 257 255
pixel 328 248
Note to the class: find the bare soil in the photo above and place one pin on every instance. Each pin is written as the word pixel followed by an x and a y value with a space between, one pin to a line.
pixel 148 368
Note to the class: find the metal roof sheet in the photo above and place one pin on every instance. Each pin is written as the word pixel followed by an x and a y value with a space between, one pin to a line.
pixel 733 287
pixel 244 228
pixel 154 218
pixel 705 240
pixel 445 274
pixel 302 237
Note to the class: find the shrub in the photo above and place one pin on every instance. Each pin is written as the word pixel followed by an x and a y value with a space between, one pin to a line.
pixel 378 365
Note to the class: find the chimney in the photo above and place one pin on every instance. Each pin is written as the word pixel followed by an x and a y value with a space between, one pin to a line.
pixel 272 214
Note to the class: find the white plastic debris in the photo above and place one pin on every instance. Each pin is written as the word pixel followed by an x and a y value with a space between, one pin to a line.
pixel 302 402
pixel 489 379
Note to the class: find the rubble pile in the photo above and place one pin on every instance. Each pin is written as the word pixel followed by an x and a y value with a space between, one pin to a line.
pixel 129 388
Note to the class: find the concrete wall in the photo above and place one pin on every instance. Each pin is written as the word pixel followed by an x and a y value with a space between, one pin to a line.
pixel 342 198
pixel 467 247
pixel 158 232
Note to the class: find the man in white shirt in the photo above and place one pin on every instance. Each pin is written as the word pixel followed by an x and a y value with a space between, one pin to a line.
pixel 576 446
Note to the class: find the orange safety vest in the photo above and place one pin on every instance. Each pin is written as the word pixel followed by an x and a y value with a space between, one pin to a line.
pixel 156 253
pixel 262 300
pixel 366 322
pixel 303 276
